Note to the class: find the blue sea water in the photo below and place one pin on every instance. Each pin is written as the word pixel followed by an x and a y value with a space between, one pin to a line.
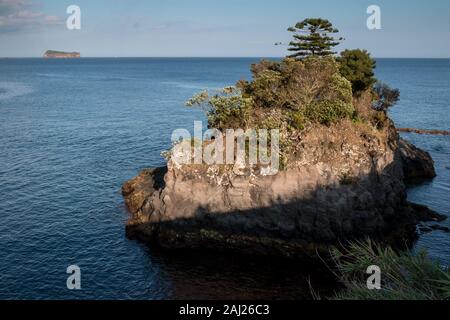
pixel 72 131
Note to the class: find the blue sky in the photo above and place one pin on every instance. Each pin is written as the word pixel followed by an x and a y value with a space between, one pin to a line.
pixel 185 28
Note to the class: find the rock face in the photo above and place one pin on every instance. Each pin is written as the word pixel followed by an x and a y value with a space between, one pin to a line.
pixel 418 164
pixel 344 182
pixel 61 54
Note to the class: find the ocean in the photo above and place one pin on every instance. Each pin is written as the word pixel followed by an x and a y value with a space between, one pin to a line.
pixel 72 131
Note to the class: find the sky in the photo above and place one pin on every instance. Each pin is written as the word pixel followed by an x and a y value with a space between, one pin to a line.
pixel 213 28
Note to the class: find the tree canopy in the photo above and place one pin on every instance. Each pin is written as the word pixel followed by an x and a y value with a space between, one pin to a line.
pixel 358 67
pixel 313 37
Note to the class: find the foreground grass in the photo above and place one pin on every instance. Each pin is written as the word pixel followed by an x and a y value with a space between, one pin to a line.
pixel 404 276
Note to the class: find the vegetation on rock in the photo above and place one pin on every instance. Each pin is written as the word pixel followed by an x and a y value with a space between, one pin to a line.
pixel 226 109
pixel 385 96
pixel 289 94
pixel 307 89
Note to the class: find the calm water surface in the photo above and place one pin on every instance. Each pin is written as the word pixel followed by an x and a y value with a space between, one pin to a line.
pixel 72 131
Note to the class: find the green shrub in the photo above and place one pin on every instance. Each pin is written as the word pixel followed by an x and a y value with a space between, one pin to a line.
pixel 327 112
pixel 358 67
pixel 298 120
pixel 227 109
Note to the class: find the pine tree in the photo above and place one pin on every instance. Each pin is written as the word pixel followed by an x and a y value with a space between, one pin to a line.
pixel 313 38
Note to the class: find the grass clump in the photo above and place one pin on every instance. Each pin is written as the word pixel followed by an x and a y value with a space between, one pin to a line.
pixel 404 276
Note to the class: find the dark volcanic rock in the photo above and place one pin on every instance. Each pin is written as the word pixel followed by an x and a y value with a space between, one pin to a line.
pixel 424 214
pixel 436 227
pixel 417 164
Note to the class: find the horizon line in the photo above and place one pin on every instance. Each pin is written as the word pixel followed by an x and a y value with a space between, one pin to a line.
pixel 193 57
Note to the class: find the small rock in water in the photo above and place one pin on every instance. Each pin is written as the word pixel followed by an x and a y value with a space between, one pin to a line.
pixel 430 228
pixel 437 227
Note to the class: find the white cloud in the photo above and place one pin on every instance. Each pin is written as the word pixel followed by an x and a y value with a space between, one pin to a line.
pixel 20 15
pixel 10 6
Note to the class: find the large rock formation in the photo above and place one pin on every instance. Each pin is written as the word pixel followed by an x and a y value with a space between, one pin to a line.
pixel 344 181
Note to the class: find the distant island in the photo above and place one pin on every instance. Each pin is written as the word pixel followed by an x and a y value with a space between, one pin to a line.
pixel 61 54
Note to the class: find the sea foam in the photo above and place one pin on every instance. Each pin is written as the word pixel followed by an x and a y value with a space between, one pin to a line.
pixel 10 90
